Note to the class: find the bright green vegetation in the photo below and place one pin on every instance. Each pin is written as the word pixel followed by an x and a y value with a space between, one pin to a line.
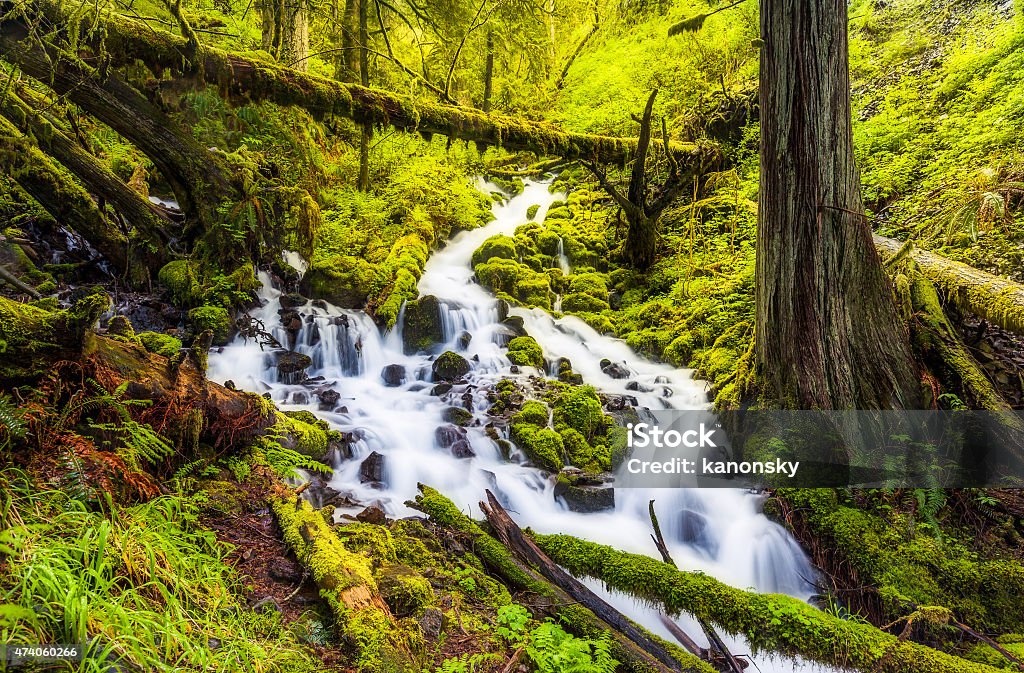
pixel 935 134
pixel 161 344
pixel 145 585
pixel 578 433
pixel 370 249
pixel 526 351
pixel 908 556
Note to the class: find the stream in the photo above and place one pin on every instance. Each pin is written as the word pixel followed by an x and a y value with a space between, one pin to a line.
pixel 721 532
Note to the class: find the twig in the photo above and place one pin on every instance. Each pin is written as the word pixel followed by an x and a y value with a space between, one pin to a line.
pixel 659 540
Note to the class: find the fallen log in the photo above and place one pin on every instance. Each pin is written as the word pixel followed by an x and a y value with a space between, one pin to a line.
pixel 345 580
pixel 60 196
pixel 142 215
pixel 512 537
pixel 547 599
pixel 241 77
pixel 998 300
pixel 769 622
pixel 32 339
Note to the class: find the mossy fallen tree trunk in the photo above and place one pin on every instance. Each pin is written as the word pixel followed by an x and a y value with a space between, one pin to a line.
pixel 996 299
pixel 547 599
pixel 769 622
pixel 32 339
pixel 61 196
pixel 346 583
pixel 197 179
pixel 137 211
pixel 246 78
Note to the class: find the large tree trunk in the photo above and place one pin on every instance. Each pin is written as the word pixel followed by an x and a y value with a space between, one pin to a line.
pixel 489 72
pixel 828 334
pixel 62 197
pixel 364 79
pixel 295 34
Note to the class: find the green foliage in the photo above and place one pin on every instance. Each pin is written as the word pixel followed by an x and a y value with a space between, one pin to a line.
pixel 143 586
pixel 550 648
pixel 525 351
pixel 135 442
pixel 161 344
pixel 213 318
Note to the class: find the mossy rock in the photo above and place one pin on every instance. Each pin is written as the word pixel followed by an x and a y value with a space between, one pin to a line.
pixel 495 247
pixel 457 416
pixel 534 290
pixel 579 408
pixel 161 344
pixel 531 212
pixel 450 366
pixel 215 319
pixel 583 303
pixel 592 284
pixel 526 352
pixel 534 413
pixel 422 329
pixel 307 438
pixel 405 591
pixel 343 280
pixel 543 446
pixel 181 277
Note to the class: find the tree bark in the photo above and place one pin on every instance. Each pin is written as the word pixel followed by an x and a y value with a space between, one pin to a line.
pixel 828 333
pixel 137 211
pixel 364 78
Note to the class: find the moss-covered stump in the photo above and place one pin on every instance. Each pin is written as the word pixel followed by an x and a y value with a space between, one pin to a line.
pixel 346 582
pixel 545 598
pixel 769 622
pixel 33 339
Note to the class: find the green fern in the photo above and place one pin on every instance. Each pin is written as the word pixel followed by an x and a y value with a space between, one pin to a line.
pixel 286 462
pixel 138 442
pixel 12 423
pixel 930 502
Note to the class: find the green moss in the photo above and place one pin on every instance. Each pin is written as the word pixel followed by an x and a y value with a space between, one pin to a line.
pixel 495 247
pixel 531 212
pixel 306 438
pixel 215 319
pixel 583 303
pixel 543 446
pixel 580 409
pixel 181 277
pixel 404 590
pixel 343 280
pixel 769 622
pixel 984 653
pixel 525 351
pixel 533 412
pixel 161 344
pixel 592 284
pixel 908 564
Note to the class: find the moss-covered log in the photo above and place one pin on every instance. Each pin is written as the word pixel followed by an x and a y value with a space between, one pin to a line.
pixel 996 299
pixel 197 179
pixel 769 622
pixel 346 582
pixel 544 597
pixel 246 78
pixel 142 215
pixel 32 339
pixel 60 196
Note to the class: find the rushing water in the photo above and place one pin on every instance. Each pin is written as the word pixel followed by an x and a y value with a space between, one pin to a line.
pixel 719 531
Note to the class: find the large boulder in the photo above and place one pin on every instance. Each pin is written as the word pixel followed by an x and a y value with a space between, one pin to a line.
pixel 584 498
pixel 371 470
pixel 450 366
pixel 421 329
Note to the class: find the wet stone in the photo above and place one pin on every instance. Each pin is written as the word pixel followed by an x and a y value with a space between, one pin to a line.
pixel 445 436
pixel 462 449
pixel 393 375
pixel 372 469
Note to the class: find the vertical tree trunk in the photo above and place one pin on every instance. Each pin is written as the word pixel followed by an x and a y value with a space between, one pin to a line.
pixel 295 42
pixel 489 71
pixel 348 42
pixel 268 25
pixel 828 333
pixel 364 79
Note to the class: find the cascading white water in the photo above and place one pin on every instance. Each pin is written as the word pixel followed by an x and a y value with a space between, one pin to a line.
pixel 719 531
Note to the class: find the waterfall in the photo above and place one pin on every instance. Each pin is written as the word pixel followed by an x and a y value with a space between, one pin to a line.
pixel 721 532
